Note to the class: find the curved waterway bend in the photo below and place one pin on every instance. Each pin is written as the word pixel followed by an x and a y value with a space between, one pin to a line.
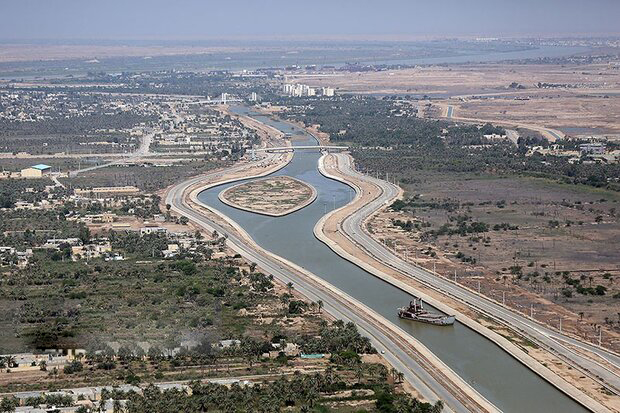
pixel 499 377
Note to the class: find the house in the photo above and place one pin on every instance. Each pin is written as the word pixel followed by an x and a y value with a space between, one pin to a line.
pixel 36 171
pixel 592 148
pixel 90 251
pixel 56 242
pixel 104 218
pixel 108 190
pixel 153 230
pixel 229 343
pixel 114 257
pixel 171 251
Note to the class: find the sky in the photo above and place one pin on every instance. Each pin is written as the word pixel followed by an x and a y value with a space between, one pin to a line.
pixel 283 19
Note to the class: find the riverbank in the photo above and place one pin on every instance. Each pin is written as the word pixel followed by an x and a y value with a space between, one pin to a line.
pixel 433 366
pixel 562 376
pixel 476 359
pixel 398 347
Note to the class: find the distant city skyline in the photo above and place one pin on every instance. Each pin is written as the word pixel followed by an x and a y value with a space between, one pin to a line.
pixel 278 19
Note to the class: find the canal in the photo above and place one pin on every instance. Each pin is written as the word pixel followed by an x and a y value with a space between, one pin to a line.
pixel 499 377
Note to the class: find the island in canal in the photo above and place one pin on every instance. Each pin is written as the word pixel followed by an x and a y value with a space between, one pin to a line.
pixel 274 196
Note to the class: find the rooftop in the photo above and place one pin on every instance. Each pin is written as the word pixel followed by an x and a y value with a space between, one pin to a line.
pixel 41 167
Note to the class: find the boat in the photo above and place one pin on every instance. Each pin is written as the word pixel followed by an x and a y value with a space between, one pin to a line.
pixel 416 312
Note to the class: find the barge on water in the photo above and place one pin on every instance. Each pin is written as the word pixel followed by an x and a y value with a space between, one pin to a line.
pixel 416 312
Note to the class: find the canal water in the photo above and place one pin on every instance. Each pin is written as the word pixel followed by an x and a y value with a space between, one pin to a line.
pixel 500 378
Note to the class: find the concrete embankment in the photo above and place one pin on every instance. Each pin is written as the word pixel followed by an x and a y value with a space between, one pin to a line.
pixel 372 267
pixel 426 358
pixel 412 346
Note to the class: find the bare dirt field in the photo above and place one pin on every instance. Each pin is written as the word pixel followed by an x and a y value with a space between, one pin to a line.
pixel 541 237
pixel 275 196
pixel 383 229
pixel 574 114
pixel 569 96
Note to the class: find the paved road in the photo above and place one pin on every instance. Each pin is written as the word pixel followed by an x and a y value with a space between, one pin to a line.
pixel 143 150
pixel 547 337
pixel 414 373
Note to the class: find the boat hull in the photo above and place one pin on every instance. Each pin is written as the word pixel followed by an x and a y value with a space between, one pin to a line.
pixel 428 319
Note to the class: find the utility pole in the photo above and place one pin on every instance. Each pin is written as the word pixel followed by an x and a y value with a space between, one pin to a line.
pixel 478 286
pixel 531 311
pixel 503 298
pixel 455 275
pixel 434 267
pixel 560 325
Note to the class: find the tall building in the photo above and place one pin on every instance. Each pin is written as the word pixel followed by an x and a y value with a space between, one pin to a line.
pixel 328 91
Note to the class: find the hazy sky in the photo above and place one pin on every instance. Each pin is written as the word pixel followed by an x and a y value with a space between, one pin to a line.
pixel 194 19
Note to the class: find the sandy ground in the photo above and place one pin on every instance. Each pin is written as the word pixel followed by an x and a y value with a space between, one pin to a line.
pixel 584 96
pixel 275 196
pixel 558 366
pixel 579 245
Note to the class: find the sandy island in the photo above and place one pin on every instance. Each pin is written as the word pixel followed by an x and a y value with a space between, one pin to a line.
pixel 274 196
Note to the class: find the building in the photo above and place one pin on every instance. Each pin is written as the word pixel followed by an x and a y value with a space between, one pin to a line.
pixel 327 91
pixel 594 148
pixel 57 242
pixel 36 171
pixel 104 218
pixel 171 251
pixel 108 190
pixel 299 90
pixel 147 230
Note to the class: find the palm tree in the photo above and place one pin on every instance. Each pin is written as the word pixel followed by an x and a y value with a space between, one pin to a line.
pixel 289 287
pixel 117 406
pixel 394 374
pixel 438 407
pixel 320 305
pixel 10 361
pixel 359 372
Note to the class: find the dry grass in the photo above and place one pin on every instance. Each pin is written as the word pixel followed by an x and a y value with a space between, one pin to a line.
pixel 579 245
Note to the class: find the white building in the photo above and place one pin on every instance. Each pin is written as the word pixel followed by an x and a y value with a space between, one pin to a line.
pixel 593 148
pixel 328 91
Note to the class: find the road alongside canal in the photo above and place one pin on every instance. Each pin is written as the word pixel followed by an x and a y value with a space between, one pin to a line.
pixel 491 371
